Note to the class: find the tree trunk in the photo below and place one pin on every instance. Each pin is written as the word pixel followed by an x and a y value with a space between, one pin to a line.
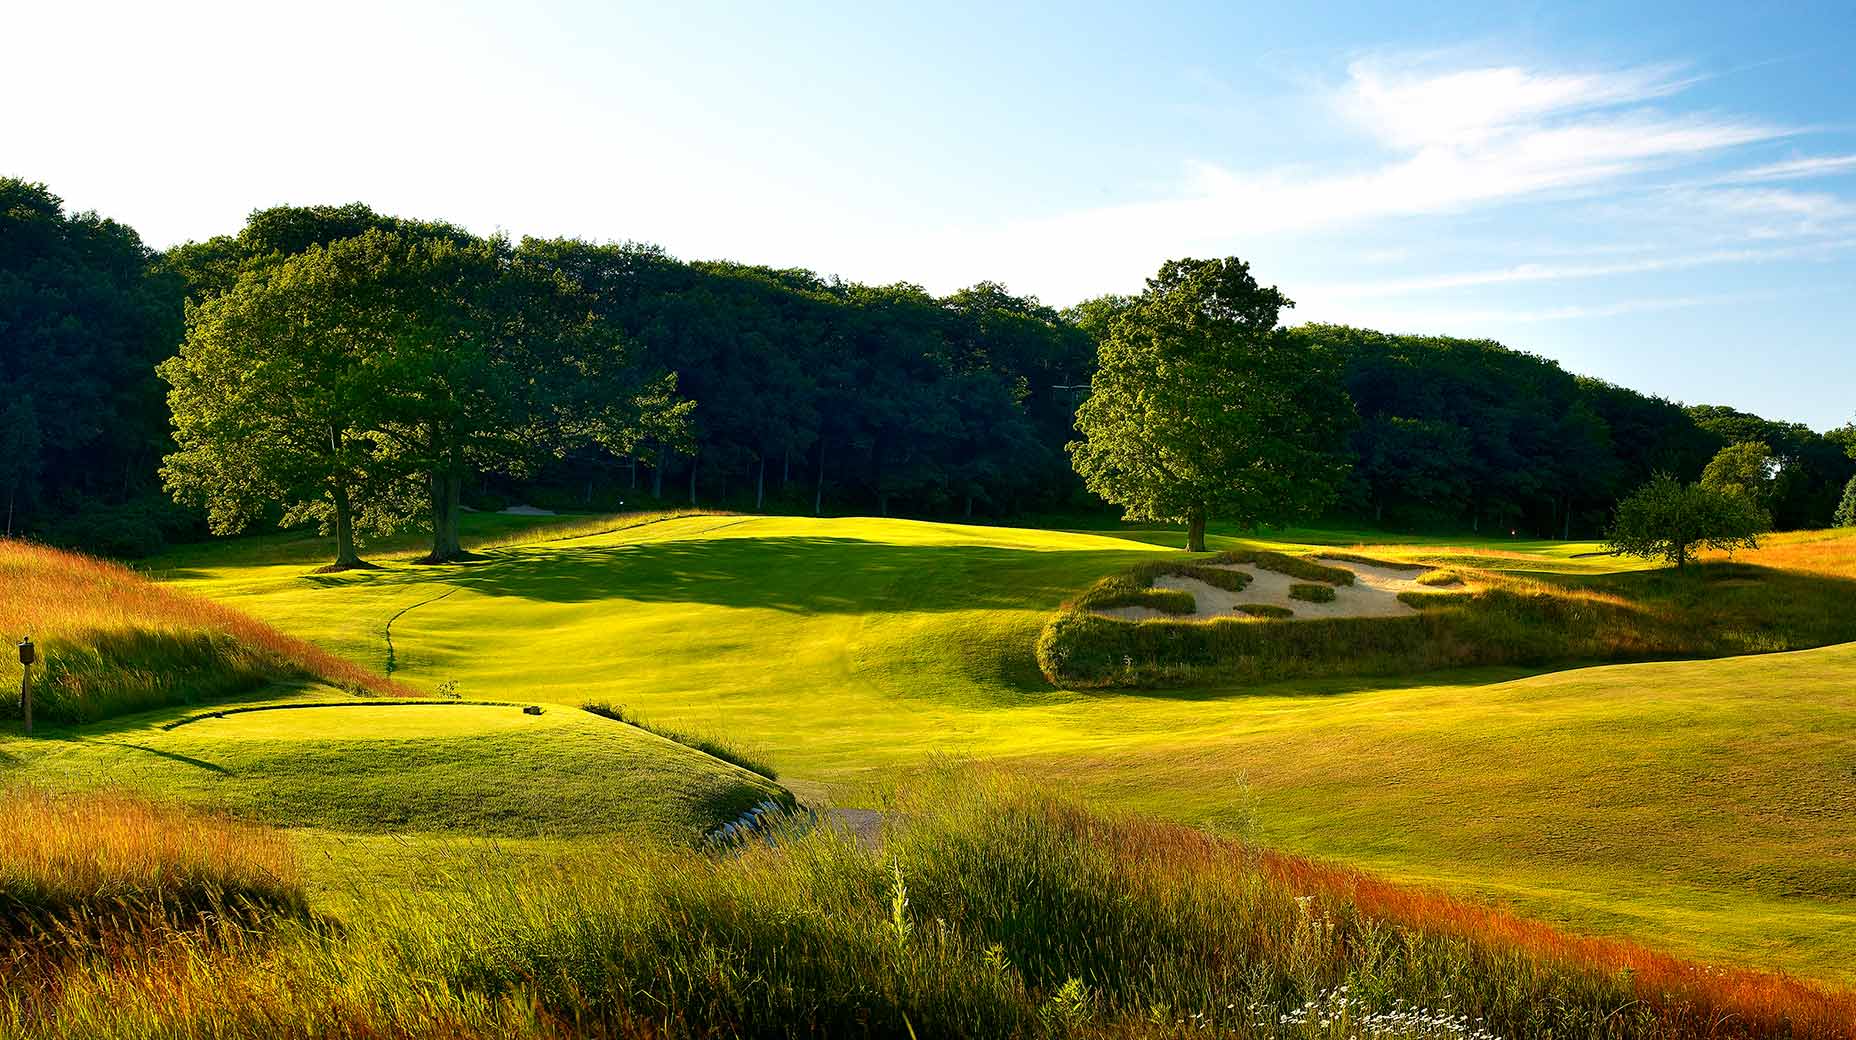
pixel 692 481
pixel 882 503
pixel 818 491
pixel 969 505
pixel 786 468
pixel 760 485
pixel 657 472
pixel 1195 529
pixel 447 490
pixel 9 511
pixel 634 460
pixel 346 558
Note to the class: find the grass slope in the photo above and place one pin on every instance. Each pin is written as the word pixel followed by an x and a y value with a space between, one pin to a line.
pixel 111 642
pixel 394 768
pixel 1699 805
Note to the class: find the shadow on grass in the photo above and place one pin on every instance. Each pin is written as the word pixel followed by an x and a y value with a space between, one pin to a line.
pixel 796 574
pixel 198 763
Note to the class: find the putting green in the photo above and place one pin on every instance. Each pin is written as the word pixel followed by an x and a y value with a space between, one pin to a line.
pixel 367 722
pixel 1701 806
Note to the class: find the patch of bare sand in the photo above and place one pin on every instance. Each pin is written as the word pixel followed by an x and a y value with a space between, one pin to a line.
pixel 1374 593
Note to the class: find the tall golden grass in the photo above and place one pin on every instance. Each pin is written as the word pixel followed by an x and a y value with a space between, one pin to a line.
pixel 67 858
pixel 988 909
pixel 112 640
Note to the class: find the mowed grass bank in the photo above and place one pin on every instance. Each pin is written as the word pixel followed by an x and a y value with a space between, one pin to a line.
pixel 1696 805
pixel 399 768
pixel 987 910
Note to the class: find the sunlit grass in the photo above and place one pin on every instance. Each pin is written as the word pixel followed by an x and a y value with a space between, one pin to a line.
pixel 1697 805
pixel 986 910
pixel 87 860
pixel 112 642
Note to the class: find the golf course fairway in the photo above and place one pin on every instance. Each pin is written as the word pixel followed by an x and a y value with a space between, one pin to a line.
pixel 1707 807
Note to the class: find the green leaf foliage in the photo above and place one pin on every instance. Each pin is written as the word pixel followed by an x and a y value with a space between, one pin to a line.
pixel 1202 407
pixel 1668 520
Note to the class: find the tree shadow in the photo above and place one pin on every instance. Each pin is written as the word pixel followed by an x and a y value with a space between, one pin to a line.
pixel 794 574
pixel 198 763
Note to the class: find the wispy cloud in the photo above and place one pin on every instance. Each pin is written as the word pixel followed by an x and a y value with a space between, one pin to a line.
pixel 1448 141
pixel 1539 272
pixel 1794 169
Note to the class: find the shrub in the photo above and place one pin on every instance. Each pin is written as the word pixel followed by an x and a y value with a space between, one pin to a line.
pixel 1264 610
pixel 1846 509
pixel 1312 593
pixel 1440 578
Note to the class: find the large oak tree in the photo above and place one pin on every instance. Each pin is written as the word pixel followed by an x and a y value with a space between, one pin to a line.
pixel 1201 406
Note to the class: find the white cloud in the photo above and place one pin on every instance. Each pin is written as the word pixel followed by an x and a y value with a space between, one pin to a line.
pixel 1412 108
pixel 1537 272
pixel 1794 169
pixel 1452 140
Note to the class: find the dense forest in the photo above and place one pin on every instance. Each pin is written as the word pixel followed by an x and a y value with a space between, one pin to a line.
pixel 789 391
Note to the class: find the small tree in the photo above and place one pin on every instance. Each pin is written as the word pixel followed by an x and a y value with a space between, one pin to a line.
pixel 1201 406
pixel 1668 520
pixel 1846 510
pixel 1747 467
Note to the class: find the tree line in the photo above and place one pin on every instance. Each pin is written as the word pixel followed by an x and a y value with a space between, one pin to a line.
pixel 337 366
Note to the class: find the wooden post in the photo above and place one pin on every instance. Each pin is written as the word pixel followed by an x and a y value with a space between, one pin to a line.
pixel 27 655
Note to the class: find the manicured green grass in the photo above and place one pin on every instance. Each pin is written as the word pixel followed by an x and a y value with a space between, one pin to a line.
pixel 1695 805
pixel 392 768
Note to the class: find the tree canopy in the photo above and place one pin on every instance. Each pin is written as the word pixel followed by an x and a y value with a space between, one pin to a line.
pixel 1201 406
pixel 86 311
pixel 1669 520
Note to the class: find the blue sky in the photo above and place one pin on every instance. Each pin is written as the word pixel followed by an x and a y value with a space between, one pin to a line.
pixel 1661 196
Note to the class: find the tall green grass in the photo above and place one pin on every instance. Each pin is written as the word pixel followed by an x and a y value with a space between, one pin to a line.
pixel 711 744
pixel 985 910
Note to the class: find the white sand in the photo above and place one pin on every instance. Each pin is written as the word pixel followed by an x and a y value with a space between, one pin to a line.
pixel 1374 593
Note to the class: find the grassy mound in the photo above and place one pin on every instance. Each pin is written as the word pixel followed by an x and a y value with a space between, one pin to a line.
pixel 1311 592
pixel 461 768
pixel 1476 618
pixel 986 912
pixel 111 642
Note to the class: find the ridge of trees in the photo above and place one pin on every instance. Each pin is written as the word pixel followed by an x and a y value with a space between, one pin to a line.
pixel 800 393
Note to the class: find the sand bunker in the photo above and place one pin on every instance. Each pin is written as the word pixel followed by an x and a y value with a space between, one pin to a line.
pixel 1374 593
